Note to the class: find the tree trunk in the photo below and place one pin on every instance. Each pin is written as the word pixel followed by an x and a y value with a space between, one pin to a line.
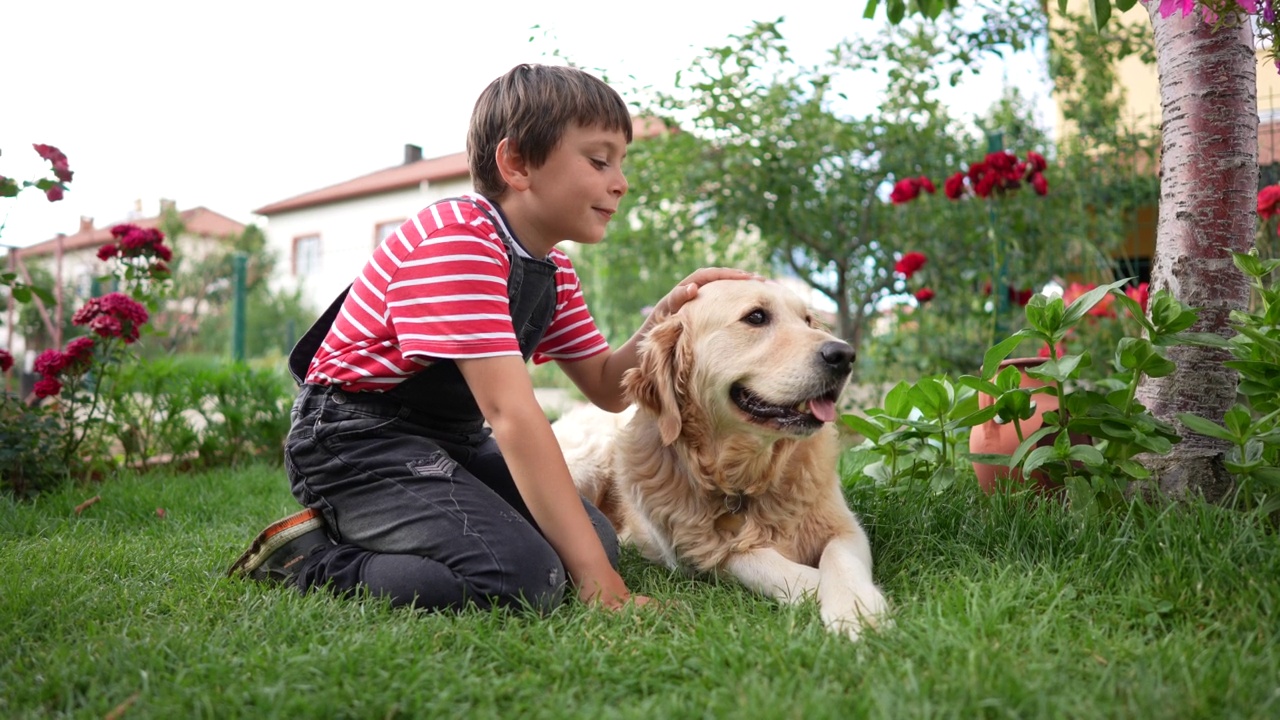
pixel 1208 191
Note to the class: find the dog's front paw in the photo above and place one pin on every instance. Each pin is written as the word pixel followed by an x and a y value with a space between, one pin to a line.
pixel 853 612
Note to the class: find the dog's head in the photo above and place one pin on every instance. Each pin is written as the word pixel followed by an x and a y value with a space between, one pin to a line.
pixel 743 352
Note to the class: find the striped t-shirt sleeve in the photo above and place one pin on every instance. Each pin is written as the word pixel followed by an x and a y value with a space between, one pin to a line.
pixel 448 297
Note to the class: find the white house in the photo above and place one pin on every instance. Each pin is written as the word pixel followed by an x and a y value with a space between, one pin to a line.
pixel 324 237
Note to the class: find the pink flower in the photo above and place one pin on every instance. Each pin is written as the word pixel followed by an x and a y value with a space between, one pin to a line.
pixel 1139 294
pixel 50 362
pixel 137 241
pixel 59 162
pixel 6 361
pixel 54 193
pixel 910 263
pixel 106 326
pixel 1169 7
pixel 924 295
pixel 112 315
pixel 79 353
pixel 47 387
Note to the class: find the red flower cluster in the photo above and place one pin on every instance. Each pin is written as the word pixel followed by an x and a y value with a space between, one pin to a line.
pixel 6 361
pixel 52 364
pixel 1269 202
pixel 909 264
pixel 998 173
pixel 1102 309
pixel 112 315
pixel 61 170
pixel 908 189
pixel 133 241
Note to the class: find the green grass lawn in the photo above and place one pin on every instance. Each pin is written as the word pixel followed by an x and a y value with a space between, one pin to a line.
pixel 1005 607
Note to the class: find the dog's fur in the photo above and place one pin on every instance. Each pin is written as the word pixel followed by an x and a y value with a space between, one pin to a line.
pixel 703 476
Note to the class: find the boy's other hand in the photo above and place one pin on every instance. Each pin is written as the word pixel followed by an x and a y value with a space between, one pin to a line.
pixel 688 289
pixel 610 592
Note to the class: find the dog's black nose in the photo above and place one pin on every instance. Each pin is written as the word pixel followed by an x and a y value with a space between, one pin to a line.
pixel 837 355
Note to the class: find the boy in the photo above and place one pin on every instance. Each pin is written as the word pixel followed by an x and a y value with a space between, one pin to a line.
pixel 407 494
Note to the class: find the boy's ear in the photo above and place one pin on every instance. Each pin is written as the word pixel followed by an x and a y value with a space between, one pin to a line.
pixel 512 165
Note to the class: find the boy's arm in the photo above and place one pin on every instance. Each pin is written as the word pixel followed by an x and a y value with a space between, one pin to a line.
pixel 599 377
pixel 504 392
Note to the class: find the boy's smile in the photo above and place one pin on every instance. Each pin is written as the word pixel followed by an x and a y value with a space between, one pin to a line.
pixel 574 194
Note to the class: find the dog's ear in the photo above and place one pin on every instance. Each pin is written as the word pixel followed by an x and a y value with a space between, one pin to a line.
pixel 657 383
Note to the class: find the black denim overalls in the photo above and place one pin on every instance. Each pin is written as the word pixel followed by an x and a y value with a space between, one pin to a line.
pixel 411 485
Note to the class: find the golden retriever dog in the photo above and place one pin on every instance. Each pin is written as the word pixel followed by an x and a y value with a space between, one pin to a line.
pixel 726 463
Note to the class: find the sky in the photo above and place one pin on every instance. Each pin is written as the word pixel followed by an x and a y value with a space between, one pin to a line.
pixel 234 105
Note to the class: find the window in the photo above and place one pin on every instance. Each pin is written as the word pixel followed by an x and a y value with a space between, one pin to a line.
pixel 384 230
pixel 306 255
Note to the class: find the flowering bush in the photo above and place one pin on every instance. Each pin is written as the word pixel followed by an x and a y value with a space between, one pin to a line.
pixel 69 399
pixel 996 174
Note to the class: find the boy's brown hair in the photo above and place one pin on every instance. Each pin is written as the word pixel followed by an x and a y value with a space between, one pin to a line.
pixel 533 105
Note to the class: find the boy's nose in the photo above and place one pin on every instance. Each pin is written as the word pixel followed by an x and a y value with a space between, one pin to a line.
pixel 621 185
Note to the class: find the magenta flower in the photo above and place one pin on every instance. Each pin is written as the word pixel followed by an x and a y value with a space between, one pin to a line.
pixel 6 361
pixel 47 387
pixel 50 362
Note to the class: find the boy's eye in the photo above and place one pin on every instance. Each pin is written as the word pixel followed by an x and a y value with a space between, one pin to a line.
pixel 599 164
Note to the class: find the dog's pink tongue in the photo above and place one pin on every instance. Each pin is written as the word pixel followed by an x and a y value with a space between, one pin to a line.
pixel 823 409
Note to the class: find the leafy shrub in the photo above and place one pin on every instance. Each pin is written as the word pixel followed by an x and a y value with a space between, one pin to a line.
pixel 206 411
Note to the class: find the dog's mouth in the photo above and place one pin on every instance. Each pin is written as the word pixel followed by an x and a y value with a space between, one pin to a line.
pixel 804 416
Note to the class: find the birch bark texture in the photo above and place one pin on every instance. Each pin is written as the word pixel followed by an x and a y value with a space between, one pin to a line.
pixel 1208 191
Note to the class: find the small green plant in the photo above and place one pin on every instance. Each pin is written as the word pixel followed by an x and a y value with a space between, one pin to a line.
pixel 1090 444
pixel 916 436
pixel 1252 426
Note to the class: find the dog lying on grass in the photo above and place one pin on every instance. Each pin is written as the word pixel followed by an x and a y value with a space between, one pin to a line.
pixel 727 461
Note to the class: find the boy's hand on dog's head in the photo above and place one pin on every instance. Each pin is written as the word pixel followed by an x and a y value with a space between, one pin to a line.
pixel 688 288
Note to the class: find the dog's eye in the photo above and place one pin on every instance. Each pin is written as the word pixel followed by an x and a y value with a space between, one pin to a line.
pixel 756 317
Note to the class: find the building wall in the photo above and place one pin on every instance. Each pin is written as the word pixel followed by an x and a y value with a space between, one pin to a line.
pixel 347 235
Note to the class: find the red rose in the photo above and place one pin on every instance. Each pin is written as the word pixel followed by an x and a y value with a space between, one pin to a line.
pixel 47 387
pixel 904 191
pixel 54 193
pixel 106 252
pixel 50 362
pixel 953 188
pixel 1040 184
pixel 926 184
pixel 1268 200
pixel 1036 161
pixel 910 263
pixel 6 361
pixel 924 295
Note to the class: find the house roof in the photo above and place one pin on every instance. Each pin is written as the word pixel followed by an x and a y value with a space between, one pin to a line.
pixel 399 177
pixel 412 174
pixel 198 221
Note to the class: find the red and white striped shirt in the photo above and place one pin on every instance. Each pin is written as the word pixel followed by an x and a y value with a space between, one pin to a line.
pixel 437 288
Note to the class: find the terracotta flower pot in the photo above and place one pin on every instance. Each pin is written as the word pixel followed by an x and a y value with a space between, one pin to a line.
pixel 997 439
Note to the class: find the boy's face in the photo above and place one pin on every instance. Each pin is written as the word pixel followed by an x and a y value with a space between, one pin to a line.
pixel 579 186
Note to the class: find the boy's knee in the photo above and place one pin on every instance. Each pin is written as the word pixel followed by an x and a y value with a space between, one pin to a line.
pixel 538 584
pixel 604 529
